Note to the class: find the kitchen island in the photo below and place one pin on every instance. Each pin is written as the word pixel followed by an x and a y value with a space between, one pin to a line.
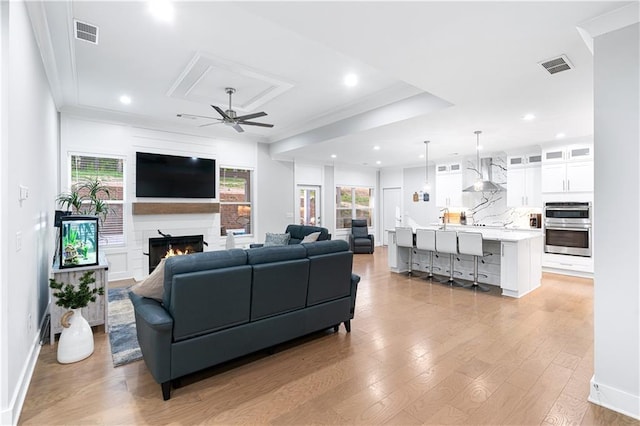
pixel 513 260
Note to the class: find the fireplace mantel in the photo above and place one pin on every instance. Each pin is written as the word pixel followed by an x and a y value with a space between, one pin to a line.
pixel 174 208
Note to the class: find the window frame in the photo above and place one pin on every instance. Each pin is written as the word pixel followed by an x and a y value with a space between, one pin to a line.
pixel 250 203
pixel 354 206
pixel 123 202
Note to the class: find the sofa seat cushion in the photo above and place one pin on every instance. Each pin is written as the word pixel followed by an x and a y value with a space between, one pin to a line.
pixel 364 242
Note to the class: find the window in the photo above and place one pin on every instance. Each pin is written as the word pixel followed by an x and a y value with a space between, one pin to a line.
pixel 353 203
pixel 235 201
pixel 109 171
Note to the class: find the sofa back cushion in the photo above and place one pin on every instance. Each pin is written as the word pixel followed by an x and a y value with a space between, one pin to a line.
pixel 298 232
pixel 198 262
pixel 280 278
pixel 330 265
pixel 210 300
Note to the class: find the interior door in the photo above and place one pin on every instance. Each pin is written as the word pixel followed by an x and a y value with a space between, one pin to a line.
pixel 309 205
pixel 391 209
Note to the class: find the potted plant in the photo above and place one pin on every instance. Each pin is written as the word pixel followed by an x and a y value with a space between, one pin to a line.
pixel 87 198
pixel 76 339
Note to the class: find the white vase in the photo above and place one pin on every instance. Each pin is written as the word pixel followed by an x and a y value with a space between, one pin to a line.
pixel 76 340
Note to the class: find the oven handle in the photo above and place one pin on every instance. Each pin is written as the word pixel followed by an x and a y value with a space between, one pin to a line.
pixel 560 228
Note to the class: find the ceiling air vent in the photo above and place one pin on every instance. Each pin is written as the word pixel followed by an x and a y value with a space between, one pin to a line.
pixel 86 32
pixel 556 65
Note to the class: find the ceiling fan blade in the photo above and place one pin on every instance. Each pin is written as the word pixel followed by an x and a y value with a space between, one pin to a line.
pixel 250 116
pixel 196 116
pixel 221 112
pixel 237 127
pixel 253 123
pixel 211 124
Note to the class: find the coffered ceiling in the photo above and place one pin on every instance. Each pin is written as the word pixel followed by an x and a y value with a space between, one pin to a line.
pixel 426 71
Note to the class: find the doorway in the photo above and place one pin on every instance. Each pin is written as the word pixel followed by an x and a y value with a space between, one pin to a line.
pixel 391 207
pixel 309 205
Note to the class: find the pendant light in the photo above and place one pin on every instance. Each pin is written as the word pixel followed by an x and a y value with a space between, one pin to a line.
pixel 426 188
pixel 478 183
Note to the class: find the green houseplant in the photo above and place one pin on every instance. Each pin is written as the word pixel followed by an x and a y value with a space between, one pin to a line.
pixel 76 340
pixel 70 297
pixel 87 198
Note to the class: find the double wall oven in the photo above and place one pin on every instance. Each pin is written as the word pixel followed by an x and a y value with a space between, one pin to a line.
pixel 567 228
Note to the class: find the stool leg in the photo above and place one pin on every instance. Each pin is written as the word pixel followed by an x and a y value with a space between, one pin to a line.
pixel 450 280
pixel 476 285
pixel 430 275
pixel 410 261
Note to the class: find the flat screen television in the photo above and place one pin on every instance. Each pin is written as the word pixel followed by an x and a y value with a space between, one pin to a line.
pixel 170 176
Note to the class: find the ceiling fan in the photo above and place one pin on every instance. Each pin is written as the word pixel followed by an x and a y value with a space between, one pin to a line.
pixel 230 118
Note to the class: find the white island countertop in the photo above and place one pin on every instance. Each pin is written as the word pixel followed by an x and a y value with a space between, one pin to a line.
pixel 514 260
pixel 489 233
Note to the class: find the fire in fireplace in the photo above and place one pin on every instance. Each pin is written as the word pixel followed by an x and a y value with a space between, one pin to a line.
pixel 168 245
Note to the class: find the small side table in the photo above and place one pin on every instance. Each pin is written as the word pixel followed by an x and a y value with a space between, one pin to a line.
pixel 97 312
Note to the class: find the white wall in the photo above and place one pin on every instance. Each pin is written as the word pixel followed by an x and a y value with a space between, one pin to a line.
pixel 90 137
pixel 617 179
pixel 29 158
pixel 275 198
pixel 421 213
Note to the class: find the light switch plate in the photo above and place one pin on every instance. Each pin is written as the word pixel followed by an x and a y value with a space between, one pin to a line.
pixel 24 193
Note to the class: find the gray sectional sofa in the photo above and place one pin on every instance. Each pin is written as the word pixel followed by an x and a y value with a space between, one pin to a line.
pixel 221 305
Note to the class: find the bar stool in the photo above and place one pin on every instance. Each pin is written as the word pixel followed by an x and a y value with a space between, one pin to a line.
pixel 447 242
pixel 470 243
pixel 426 240
pixel 404 238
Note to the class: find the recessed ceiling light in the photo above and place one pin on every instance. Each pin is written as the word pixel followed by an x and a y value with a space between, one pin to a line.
pixel 376 148
pixel 421 156
pixel 350 80
pixel 480 148
pixel 162 10
pixel 378 162
pixel 125 99
pixel 528 117
pixel 333 156
pixel 560 135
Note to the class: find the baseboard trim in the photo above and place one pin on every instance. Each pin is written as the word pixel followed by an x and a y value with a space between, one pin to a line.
pixel 614 399
pixel 15 407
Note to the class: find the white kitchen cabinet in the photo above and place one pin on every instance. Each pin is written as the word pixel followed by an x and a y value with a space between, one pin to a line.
pixel 449 185
pixel 520 266
pixel 524 181
pixel 567 169
pixel 567 177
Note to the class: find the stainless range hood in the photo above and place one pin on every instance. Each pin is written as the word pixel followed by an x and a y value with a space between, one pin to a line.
pixel 485 181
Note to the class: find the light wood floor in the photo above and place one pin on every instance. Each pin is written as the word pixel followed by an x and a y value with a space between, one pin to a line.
pixel 418 353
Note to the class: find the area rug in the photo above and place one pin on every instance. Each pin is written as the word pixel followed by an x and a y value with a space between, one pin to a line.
pixel 122 325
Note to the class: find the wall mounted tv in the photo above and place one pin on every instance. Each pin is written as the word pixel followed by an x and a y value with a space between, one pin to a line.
pixel 170 176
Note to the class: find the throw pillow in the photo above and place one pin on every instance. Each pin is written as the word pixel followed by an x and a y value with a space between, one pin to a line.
pixel 311 237
pixel 152 286
pixel 276 239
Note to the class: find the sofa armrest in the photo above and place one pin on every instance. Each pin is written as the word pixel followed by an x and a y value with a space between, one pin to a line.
pixel 154 327
pixel 351 242
pixel 371 237
pixel 355 279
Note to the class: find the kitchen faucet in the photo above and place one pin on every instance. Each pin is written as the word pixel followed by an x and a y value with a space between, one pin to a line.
pixel 445 213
